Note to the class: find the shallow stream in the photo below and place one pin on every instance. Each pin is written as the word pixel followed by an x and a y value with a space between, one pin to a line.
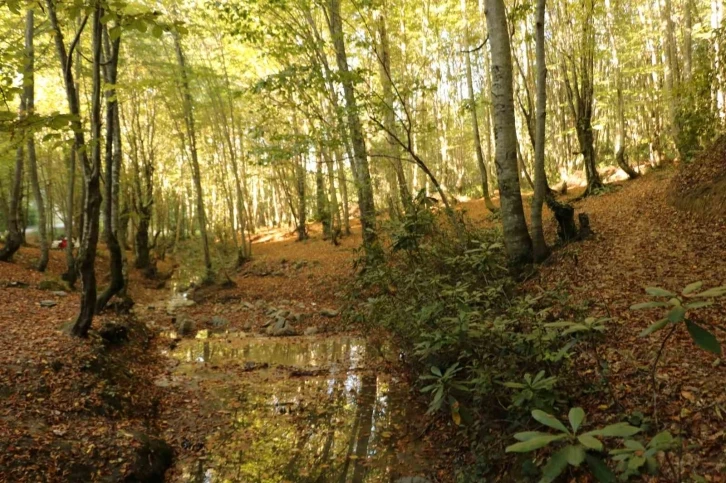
pixel 300 409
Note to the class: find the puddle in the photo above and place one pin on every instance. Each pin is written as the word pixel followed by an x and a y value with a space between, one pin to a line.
pixel 344 423
pixel 301 352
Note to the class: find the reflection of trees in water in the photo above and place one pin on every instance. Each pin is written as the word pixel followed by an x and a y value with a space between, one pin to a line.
pixel 317 353
pixel 329 428
pixel 366 400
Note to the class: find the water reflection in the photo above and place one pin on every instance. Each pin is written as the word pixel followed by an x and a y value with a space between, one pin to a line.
pixel 346 353
pixel 346 425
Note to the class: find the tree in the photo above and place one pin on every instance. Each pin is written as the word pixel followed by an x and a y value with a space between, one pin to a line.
pixel 541 187
pixel 29 93
pixel 360 162
pixel 91 165
pixel 474 118
pixel 580 95
pixel 113 170
pixel 516 236
pixel 191 134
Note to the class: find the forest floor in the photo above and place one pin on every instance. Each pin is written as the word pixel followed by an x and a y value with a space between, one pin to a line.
pixel 65 418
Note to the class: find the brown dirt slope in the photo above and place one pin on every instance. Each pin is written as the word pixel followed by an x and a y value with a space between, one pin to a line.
pixel 700 186
pixel 641 240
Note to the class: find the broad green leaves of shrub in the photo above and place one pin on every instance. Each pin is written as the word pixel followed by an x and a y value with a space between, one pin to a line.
pixel 679 307
pixel 578 447
pixel 534 392
pixel 441 387
pixel 634 458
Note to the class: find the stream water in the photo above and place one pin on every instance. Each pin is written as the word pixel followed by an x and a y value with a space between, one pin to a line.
pixel 300 409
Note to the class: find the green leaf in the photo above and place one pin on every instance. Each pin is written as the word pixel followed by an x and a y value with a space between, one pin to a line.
pixel 618 430
pixel 713 292
pixel 590 442
pixel 648 305
pixel 659 292
pixel 634 445
pixel 527 435
pixel 534 443
pixel 664 438
pixel 655 327
pixel 698 305
pixel 576 417
pixel 676 314
pixel 599 469
pixel 554 467
pixel 574 454
pixel 692 287
pixel 436 371
pixel 636 462
pixel 549 420
pixel 157 31
pixel 514 385
pixel 703 338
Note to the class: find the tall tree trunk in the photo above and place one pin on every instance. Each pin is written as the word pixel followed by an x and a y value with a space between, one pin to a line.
pixel 539 245
pixel 384 61
pixel 70 274
pixel 113 167
pixel 322 205
pixel 343 183
pixel 672 75
pixel 92 206
pixel 477 137
pixel 335 222
pixel 299 173
pixel 360 166
pixel 516 236
pixel 481 164
pixel 15 237
pixel 196 175
pixel 29 92
pixel 580 96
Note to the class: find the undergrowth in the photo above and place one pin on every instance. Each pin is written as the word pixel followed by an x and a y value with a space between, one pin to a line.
pixel 494 360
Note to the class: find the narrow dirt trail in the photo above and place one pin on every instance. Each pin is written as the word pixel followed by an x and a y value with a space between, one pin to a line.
pixel 318 404
pixel 643 241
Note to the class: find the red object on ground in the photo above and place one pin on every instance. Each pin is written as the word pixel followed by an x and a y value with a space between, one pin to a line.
pixel 63 244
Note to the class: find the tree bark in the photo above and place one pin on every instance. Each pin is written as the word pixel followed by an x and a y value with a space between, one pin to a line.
pixel 29 92
pixel 539 244
pixel 92 169
pixel 360 166
pixel 70 274
pixel 113 167
pixel 517 242
pixel 322 205
pixel 384 62
pixel 196 175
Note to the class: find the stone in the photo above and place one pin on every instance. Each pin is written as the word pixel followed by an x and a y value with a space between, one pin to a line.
pixel 247 327
pixel 185 326
pixel 114 333
pixel 48 303
pixel 282 313
pixel 329 313
pixel 60 293
pixel 177 302
pixel 311 331
pixel 247 305
pixel 281 328
pixel 219 323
